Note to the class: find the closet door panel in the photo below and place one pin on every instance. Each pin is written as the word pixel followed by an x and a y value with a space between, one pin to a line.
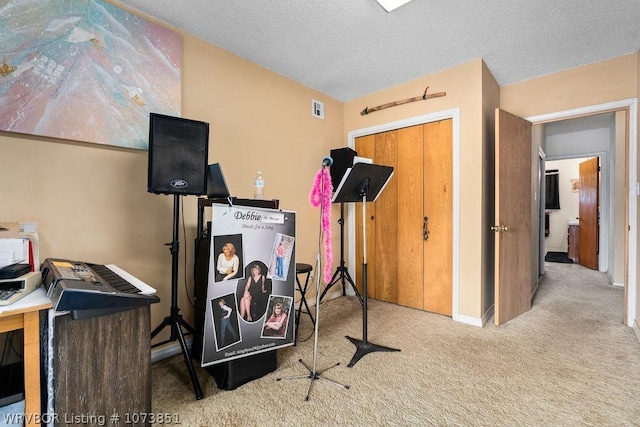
pixel 385 220
pixel 438 208
pixel 409 176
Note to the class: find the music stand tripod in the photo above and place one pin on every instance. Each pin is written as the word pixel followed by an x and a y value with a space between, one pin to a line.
pixel 175 320
pixel 364 182
pixel 341 274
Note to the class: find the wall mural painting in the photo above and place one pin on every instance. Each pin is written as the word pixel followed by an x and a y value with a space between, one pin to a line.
pixel 85 70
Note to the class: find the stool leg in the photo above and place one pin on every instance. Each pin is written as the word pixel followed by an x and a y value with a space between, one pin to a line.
pixel 295 339
pixel 303 300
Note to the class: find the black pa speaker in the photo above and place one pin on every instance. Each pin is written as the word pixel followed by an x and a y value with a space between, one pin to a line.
pixel 178 154
pixel 342 160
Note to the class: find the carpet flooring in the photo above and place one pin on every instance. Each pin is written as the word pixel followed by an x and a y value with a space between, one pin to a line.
pixel 569 361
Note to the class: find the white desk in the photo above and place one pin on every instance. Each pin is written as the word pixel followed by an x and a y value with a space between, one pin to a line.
pixel 24 314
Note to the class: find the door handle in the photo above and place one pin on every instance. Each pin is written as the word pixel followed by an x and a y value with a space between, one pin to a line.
pixel 499 228
pixel 425 228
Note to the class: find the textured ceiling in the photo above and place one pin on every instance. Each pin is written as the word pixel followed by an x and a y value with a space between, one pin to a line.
pixel 350 48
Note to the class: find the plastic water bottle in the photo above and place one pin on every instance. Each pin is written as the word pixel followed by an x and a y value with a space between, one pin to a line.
pixel 258 186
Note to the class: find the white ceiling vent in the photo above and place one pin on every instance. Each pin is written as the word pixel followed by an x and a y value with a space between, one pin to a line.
pixel 317 109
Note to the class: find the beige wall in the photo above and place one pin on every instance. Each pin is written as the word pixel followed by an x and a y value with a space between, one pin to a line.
pixel 262 121
pixel 464 87
pixel 91 203
pixel 593 84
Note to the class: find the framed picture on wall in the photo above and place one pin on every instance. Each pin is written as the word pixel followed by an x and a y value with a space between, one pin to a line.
pixel 86 71
pixel 575 185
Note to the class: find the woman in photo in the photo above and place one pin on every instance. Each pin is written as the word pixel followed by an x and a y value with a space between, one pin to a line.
pixel 280 252
pixel 254 293
pixel 225 322
pixel 228 263
pixel 276 325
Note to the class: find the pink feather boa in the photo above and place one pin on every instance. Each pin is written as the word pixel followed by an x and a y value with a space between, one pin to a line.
pixel 321 196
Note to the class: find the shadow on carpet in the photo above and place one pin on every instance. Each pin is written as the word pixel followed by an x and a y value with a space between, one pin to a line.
pixel 558 257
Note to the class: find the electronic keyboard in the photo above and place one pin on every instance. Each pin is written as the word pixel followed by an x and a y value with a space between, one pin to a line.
pixel 11 290
pixel 89 290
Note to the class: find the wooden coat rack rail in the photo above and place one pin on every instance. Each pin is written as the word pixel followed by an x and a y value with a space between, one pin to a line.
pixel 424 96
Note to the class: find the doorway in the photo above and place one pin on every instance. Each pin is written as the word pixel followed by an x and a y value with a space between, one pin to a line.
pixel 574 211
pixel 623 211
pixel 585 138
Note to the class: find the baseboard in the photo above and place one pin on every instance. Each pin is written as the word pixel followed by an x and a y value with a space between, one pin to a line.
pixel 636 329
pixel 169 350
pixel 618 284
pixel 335 294
pixel 473 321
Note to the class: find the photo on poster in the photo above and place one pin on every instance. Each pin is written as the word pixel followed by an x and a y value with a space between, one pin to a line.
pixel 253 292
pixel 225 321
pixel 280 256
pixel 228 255
pixel 277 319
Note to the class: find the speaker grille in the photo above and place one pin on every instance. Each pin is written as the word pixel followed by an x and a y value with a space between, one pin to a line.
pixel 178 154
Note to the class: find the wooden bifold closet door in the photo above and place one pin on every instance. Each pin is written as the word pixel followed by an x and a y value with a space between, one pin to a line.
pixel 410 226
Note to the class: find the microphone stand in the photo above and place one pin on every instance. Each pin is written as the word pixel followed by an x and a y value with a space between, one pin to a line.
pixel 314 374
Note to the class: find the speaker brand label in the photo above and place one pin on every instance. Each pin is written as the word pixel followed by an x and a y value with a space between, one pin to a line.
pixel 179 183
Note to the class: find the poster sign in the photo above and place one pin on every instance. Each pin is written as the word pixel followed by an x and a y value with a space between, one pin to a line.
pixel 249 306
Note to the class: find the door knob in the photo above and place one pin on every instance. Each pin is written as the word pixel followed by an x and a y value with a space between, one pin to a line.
pixel 425 228
pixel 499 228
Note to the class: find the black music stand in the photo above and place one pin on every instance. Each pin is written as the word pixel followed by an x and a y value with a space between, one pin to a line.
pixel 175 320
pixel 363 183
pixel 342 274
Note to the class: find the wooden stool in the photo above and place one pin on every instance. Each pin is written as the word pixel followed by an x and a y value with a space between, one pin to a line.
pixel 302 268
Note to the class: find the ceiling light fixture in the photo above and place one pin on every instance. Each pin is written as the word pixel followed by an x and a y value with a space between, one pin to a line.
pixel 390 5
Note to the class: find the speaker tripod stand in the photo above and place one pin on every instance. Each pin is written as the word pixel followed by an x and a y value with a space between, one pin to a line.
pixel 342 274
pixel 175 320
